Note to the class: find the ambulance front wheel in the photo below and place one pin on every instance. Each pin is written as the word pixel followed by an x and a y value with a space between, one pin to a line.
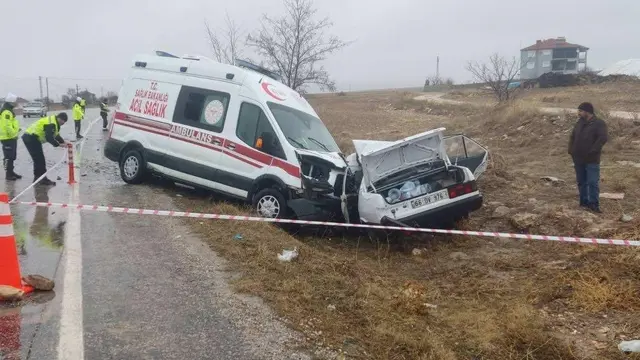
pixel 270 203
pixel 132 167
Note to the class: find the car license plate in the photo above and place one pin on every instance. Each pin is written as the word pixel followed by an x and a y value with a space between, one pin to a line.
pixel 429 199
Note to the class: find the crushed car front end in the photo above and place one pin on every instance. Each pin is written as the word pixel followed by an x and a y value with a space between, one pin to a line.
pixel 320 196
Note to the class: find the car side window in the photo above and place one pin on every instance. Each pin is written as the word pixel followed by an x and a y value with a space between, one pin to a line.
pixel 201 108
pixel 255 130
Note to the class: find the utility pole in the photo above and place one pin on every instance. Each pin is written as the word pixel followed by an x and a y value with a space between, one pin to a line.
pixel 438 67
pixel 40 81
pixel 77 90
pixel 48 98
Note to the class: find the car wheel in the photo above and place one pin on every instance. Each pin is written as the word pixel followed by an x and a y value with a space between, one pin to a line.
pixel 132 167
pixel 26 116
pixel 270 203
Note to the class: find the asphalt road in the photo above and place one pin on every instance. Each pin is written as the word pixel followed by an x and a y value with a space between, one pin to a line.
pixel 127 286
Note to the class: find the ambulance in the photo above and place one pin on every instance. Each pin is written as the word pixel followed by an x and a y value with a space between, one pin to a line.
pixel 238 130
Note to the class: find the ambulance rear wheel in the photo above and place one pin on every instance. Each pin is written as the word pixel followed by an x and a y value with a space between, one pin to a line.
pixel 132 167
pixel 270 203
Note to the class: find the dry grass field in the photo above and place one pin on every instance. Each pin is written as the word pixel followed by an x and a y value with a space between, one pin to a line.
pixel 460 297
pixel 619 95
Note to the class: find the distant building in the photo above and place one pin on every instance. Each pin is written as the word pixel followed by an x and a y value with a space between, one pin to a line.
pixel 552 55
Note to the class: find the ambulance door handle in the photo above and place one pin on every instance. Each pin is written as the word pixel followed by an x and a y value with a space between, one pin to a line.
pixel 231 146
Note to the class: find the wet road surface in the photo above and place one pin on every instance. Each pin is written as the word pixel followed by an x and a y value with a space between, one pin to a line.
pixel 127 286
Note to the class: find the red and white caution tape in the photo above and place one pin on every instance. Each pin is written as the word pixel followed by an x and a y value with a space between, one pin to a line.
pixel 53 167
pixel 114 209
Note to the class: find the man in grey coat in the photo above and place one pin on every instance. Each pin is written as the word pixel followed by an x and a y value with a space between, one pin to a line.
pixel 585 147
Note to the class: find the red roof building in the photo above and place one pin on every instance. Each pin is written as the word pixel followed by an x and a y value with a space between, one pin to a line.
pixel 552 55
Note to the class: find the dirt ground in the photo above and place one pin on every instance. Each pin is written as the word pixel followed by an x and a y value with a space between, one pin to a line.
pixel 620 95
pixel 459 297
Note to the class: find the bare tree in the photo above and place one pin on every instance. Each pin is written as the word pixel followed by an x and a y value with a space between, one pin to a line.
pixel 497 74
pixel 295 43
pixel 225 43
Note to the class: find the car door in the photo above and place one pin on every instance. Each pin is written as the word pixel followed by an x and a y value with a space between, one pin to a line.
pixel 194 148
pixel 467 152
pixel 254 143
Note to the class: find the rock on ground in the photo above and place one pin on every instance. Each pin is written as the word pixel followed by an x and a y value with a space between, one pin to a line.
pixel 524 221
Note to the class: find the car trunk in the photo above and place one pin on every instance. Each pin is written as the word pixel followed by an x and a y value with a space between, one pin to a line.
pixel 422 181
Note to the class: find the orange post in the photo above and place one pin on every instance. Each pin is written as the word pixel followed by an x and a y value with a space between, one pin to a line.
pixel 9 263
pixel 72 178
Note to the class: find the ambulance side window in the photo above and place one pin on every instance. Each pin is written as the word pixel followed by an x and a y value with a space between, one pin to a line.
pixel 201 108
pixel 253 124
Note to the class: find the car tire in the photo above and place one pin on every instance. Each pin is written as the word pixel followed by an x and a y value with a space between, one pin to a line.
pixel 270 203
pixel 133 169
pixel 26 116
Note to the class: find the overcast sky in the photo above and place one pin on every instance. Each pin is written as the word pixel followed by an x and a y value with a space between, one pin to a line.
pixel 396 42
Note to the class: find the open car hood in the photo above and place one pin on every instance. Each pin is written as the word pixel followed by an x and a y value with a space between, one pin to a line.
pixel 383 158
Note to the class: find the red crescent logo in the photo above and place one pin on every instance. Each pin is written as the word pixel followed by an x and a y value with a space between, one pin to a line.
pixel 267 88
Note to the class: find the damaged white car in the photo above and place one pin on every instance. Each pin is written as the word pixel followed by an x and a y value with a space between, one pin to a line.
pixel 423 180
pixel 415 182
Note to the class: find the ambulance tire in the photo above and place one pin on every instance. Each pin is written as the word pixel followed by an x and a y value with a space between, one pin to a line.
pixel 269 201
pixel 133 169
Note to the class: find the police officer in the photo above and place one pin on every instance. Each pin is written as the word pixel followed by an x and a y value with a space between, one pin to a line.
pixel 78 115
pixel 47 129
pixel 9 129
pixel 104 110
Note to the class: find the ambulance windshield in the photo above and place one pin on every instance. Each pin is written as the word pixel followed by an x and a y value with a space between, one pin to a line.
pixel 302 130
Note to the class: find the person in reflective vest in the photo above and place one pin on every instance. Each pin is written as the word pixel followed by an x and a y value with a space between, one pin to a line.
pixel 9 129
pixel 78 115
pixel 47 129
pixel 104 110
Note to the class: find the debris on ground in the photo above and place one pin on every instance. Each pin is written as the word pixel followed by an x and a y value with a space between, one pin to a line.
pixel 626 218
pixel 39 282
pixel 58 178
pixel 524 221
pixel 10 293
pixel 288 255
pixel 238 237
pixel 553 180
pixel 612 196
pixel 501 211
pixel 418 252
pixel 630 346
pixel 331 307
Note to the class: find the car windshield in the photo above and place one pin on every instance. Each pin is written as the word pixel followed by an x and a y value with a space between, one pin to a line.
pixel 302 130
pixel 34 104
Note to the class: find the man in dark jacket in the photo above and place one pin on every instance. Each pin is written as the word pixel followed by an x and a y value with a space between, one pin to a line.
pixel 585 147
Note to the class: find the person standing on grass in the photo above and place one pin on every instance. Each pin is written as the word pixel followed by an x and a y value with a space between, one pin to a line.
pixel 585 147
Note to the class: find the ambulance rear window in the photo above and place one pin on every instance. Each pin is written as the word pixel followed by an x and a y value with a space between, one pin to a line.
pixel 201 108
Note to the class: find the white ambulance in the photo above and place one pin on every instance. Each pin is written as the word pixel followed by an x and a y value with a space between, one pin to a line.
pixel 237 130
